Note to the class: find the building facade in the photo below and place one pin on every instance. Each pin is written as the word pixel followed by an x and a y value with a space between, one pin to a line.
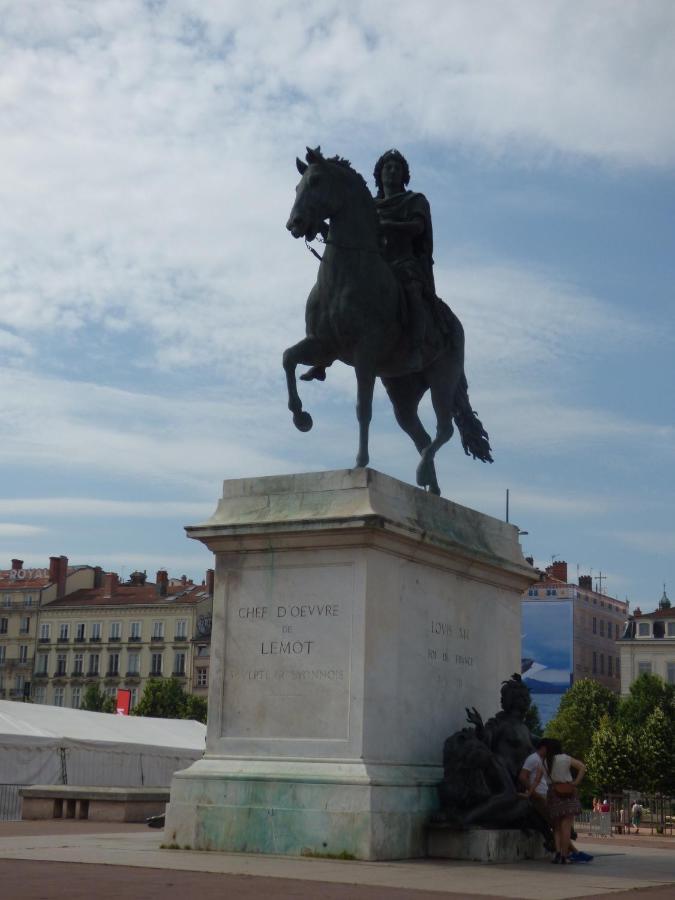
pixel 578 630
pixel 121 635
pixel 23 594
pixel 647 645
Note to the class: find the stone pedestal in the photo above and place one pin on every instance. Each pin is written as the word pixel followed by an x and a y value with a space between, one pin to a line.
pixel 354 618
pixel 489 845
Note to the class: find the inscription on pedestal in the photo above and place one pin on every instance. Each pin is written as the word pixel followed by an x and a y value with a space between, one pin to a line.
pixel 287 653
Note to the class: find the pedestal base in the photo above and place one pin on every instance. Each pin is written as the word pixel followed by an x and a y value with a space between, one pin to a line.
pixel 484 844
pixel 343 811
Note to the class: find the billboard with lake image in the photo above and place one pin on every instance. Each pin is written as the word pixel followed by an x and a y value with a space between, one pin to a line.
pixel 547 652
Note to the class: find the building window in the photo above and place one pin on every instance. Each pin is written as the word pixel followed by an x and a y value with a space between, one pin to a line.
pixel 39 693
pixel 44 631
pixel 595 625
pixel 3 650
pixel 80 631
pixel 595 662
pixel 8 599
pixel 76 697
pixel 644 668
pixel 610 663
pixel 670 673
pixel 113 664
pixel 78 668
pixel 94 663
pixel 19 683
pixel 4 625
pixel 671 629
pixel 135 632
pixel 96 631
pixel 134 697
pixel 602 663
pixel 616 631
pixel 28 600
pixel 156 668
pixel 115 631
pixel 602 627
pixel 64 631
pixel 181 628
pixel 202 678
pixel 61 660
pixel 179 663
pixel 157 630
pixel 42 663
pixel 134 664
pixel 59 694
pixel 23 653
pixel 202 650
pixel 617 668
pixel 531 593
pixel 24 628
pixel 643 629
pixel 111 692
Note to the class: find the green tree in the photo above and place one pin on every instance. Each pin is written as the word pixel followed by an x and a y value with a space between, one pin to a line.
pixel 533 720
pixel 613 757
pixel 95 700
pixel 647 693
pixel 579 715
pixel 656 742
pixel 163 699
pixel 196 708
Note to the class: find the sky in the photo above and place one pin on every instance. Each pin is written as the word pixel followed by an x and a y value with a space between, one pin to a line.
pixel 148 286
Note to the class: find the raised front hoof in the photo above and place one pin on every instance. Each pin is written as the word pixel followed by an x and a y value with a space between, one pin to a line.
pixel 302 421
pixel 361 462
pixel 316 372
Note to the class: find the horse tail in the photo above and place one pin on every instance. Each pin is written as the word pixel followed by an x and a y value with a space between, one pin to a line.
pixel 475 439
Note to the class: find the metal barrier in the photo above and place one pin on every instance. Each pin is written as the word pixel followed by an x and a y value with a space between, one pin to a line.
pixel 10 802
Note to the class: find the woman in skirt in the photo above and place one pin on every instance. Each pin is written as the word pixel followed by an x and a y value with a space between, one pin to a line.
pixel 562 799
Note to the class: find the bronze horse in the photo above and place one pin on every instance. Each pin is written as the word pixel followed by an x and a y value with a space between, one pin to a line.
pixel 355 314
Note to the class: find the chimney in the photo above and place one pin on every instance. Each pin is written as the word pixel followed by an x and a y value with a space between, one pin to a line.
pixel 162 583
pixel 183 580
pixel 209 582
pixel 58 572
pixel 586 582
pixel 17 564
pixel 98 577
pixel 558 569
pixel 637 612
pixel 110 583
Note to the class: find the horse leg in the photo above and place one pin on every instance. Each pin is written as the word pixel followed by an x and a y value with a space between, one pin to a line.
pixel 443 376
pixel 309 352
pixel 405 394
pixel 365 381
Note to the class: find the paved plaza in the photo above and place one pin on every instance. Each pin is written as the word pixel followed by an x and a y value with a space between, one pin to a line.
pixel 41 860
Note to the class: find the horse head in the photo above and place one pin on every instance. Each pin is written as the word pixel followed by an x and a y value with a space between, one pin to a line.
pixel 316 197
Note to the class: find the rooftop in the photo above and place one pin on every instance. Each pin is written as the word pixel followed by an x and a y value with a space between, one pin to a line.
pixel 132 595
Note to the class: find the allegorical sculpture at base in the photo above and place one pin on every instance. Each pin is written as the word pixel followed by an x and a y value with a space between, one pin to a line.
pixel 374 306
pixel 481 766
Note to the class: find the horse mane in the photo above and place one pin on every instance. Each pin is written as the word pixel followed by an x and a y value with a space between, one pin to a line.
pixel 345 164
pixel 315 155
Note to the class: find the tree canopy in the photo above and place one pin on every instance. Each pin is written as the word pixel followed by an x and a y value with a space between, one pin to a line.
pixel 579 715
pixel 164 698
pixel 94 700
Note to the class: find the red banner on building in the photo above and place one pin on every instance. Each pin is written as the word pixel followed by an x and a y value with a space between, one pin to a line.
pixel 123 702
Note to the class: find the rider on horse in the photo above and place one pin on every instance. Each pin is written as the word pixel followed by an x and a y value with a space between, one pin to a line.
pixel 407 245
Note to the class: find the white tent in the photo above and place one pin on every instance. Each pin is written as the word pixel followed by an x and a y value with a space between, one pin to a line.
pixel 56 745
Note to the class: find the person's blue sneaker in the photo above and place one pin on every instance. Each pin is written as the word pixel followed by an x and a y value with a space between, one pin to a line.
pixel 580 856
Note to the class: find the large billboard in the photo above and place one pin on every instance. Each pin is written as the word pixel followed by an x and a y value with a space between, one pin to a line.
pixel 547 650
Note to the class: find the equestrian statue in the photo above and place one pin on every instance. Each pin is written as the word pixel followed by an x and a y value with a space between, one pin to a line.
pixel 374 306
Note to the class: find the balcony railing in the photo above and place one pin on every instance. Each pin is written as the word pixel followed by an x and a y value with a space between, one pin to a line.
pixel 180 637
pixel 77 673
pixel 38 676
pixel 133 675
pixel 179 674
pixel 80 639
pixel 91 674
pixel 155 675
pixel 44 640
pixel 157 637
pixel 135 637
pixel 112 673
pixel 63 639
pixel 95 638
pixel 114 640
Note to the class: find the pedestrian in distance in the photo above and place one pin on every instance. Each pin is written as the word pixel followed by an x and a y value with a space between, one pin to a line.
pixel 636 816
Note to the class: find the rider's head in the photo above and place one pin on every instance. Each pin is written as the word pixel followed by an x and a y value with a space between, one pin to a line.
pixel 392 155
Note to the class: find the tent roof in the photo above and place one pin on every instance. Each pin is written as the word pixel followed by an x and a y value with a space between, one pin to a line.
pixel 30 722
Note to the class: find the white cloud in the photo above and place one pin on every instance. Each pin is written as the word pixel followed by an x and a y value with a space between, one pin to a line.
pixel 15 530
